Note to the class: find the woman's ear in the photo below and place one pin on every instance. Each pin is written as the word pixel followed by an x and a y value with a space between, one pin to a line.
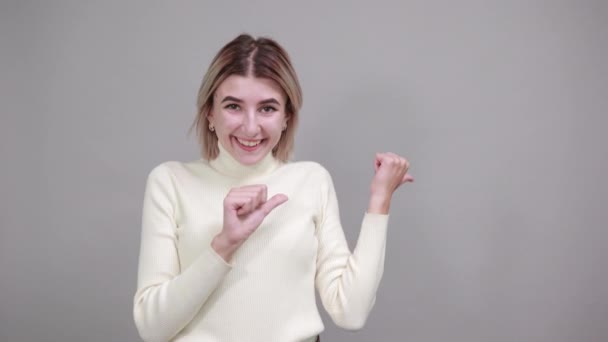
pixel 285 120
pixel 210 117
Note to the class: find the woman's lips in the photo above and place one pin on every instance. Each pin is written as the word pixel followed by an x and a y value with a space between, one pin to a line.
pixel 248 145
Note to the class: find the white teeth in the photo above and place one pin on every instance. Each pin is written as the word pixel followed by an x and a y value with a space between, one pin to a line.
pixel 249 143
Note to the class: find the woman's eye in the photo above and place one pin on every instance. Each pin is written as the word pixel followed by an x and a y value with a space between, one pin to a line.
pixel 232 106
pixel 268 109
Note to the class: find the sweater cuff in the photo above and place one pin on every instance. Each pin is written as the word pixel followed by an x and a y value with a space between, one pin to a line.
pixel 218 258
pixel 375 220
pixel 205 274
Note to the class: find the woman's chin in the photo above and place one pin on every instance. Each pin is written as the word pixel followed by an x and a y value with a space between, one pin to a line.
pixel 247 155
pixel 250 158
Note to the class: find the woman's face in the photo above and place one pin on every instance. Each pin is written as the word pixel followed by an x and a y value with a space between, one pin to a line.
pixel 248 115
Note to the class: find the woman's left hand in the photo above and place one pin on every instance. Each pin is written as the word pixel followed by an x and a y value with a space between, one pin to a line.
pixel 391 172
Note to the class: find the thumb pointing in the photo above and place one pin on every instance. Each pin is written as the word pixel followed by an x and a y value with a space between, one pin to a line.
pixel 407 178
pixel 273 202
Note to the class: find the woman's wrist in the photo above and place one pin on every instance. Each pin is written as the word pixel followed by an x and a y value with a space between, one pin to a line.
pixel 224 247
pixel 379 204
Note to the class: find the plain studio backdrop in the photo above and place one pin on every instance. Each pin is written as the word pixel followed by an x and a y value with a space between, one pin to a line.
pixel 500 106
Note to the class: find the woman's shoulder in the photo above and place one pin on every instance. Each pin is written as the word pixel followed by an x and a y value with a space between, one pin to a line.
pixel 178 169
pixel 307 167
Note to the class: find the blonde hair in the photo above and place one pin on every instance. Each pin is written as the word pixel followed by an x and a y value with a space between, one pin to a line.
pixel 246 56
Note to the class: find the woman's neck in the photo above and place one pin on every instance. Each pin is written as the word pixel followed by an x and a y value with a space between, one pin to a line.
pixel 226 164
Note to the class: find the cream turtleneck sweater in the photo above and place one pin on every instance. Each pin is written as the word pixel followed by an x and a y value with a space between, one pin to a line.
pixel 186 292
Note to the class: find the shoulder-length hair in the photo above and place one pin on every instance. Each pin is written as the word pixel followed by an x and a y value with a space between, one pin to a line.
pixel 246 56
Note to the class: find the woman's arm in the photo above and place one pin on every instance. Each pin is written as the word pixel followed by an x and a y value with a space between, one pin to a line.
pixel 167 298
pixel 347 282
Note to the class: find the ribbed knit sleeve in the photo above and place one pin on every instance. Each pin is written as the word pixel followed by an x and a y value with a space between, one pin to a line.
pixel 347 282
pixel 167 297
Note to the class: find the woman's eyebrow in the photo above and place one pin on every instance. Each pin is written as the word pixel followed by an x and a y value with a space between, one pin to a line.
pixel 234 99
pixel 231 98
pixel 271 100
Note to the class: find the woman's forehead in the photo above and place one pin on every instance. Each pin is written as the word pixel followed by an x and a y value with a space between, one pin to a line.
pixel 248 88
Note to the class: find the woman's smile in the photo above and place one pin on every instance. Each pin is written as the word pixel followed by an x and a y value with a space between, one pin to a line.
pixel 248 145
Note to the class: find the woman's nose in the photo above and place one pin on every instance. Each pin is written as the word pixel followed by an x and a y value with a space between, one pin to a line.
pixel 251 125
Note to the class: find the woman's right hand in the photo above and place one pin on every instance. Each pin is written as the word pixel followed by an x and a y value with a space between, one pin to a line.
pixel 244 210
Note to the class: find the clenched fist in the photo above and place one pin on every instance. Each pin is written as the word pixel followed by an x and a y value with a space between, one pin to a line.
pixel 391 172
pixel 244 210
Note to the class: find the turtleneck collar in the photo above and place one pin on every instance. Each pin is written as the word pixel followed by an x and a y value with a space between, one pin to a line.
pixel 227 165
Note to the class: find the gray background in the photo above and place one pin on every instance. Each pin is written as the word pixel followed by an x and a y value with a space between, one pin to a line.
pixel 499 105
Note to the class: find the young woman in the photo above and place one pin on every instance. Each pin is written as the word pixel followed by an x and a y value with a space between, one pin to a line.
pixel 233 245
